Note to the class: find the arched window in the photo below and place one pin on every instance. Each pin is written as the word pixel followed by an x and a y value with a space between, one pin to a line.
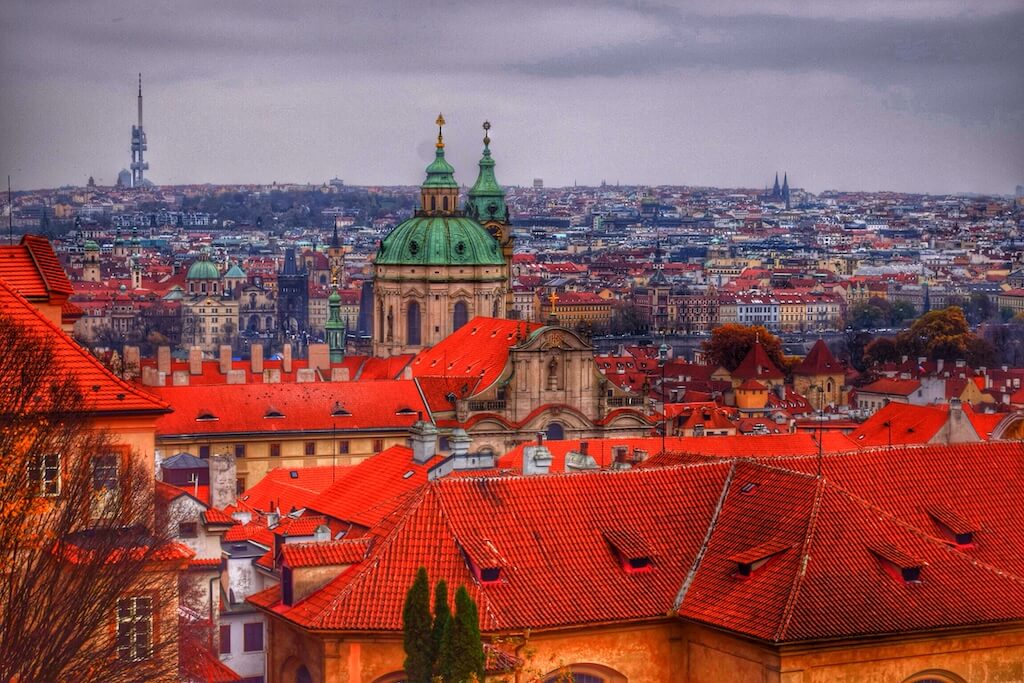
pixel 254 323
pixel 460 315
pixel 555 431
pixel 574 677
pixel 412 321
pixel 935 676
pixel 585 673
pixel 380 322
pixel 302 675
pixel 433 203
pixel 444 203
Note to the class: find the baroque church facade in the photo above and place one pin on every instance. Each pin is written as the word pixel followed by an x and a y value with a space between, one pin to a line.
pixel 447 264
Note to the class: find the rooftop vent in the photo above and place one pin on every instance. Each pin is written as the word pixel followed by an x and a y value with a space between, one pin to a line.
pixel 339 410
pixel 206 416
pixel 405 410
pixel 273 413
pixel 749 487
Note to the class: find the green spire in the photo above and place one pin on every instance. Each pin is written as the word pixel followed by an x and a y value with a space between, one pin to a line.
pixel 486 200
pixel 335 328
pixel 440 173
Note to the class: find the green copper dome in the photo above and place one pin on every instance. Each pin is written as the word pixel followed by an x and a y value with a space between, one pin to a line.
pixel 440 173
pixel 439 241
pixel 91 246
pixel 202 269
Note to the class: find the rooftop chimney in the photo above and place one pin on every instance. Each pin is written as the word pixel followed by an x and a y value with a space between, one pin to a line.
pixel 195 361
pixel 423 440
pixel 163 359
pixel 222 480
pixel 537 459
pixel 286 358
pixel 132 362
pixel 225 359
pixel 256 359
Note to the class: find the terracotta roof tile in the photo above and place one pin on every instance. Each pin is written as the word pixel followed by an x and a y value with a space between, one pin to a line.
pixel 324 553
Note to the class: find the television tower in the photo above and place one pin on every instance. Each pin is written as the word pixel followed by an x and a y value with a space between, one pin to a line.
pixel 138 146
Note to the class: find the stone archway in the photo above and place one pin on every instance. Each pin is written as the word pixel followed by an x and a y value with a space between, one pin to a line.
pixel 935 676
pixel 584 673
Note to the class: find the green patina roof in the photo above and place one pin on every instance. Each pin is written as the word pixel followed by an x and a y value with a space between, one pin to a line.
pixel 486 199
pixel 439 241
pixel 234 272
pixel 440 173
pixel 91 246
pixel 202 270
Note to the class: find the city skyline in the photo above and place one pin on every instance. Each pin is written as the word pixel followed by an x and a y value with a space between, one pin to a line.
pixel 922 97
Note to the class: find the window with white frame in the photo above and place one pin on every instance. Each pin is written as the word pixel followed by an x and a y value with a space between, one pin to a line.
pixel 135 628
pixel 44 473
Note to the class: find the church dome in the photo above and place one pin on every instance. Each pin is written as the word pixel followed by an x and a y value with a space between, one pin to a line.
pixel 439 241
pixel 202 269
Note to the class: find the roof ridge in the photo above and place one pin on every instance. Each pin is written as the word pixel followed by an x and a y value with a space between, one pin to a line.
pixel 691 575
pixel 797 584
pixel 354 573
pixel 483 599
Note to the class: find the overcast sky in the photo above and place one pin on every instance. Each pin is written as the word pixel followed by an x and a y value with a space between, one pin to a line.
pixel 909 95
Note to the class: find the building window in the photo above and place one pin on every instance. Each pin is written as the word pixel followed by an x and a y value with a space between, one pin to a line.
pixel 253 637
pixel 104 472
pixel 343 447
pixel 239 485
pixel 275 450
pixel 310 448
pixel 239 450
pixel 225 639
pixel 378 445
pixel 44 473
pixel 460 315
pixel 204 452
pixel 134 628
pixel 187 530
pixel 413 325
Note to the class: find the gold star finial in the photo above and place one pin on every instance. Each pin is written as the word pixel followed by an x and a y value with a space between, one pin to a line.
pixel 440 138
pixel 487 137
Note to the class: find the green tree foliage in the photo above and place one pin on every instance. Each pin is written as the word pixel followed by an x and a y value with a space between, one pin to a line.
pixel 442 617
pixel 877 312
pixel 977 308
pixel 729 345
pixel 416 626
pixel 937 334
pixel 462 653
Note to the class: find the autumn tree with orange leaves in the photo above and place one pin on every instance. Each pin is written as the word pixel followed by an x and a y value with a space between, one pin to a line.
pixel 729 345
pixel 86 591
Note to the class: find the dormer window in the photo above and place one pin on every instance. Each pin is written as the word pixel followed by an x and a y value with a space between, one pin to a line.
pixel 749 561
pixel 631 549
pixel 952 526
pixel 898 564
pixel 490 574
pixel 206 416
pixel 339 410
pixel 273 413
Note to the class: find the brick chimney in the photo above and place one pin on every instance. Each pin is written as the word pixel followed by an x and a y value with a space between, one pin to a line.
pixel 163 359
pixel 132 362
pixel 225 359
pixel 256 359
pixel 537 459
pixel 195 361
pixel 222 480
pixel 286 358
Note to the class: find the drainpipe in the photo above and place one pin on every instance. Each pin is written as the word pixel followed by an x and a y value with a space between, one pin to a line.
pixel 210 585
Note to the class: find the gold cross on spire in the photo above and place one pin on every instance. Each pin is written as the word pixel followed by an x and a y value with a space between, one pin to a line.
pixel 440 138
pixel 553 298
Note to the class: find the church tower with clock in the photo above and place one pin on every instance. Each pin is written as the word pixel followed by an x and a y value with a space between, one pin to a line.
pixel 446 264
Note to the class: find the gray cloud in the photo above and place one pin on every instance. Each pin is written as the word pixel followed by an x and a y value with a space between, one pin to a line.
pixel 719 92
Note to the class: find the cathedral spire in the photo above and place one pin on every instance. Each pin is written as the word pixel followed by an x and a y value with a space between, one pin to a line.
pixel 486 199
pixel 439 193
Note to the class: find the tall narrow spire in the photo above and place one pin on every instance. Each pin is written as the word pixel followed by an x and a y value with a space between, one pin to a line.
pixel 486 199
pixel 138 165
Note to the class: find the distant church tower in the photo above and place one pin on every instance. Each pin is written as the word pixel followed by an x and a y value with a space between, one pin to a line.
pixel 292 297
pixel 138 146
pixel 486 204
pixel 439 269
pixel 91 269
pixel 336 258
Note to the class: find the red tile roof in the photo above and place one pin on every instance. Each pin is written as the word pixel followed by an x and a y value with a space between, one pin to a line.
pixel 105 393
pixel 895 387
pixel 32 269
pixel 826 543
pixel 368 492
pixel 902 423
pixel 819 361
pixel 321 406
pixel 313 554
pixel 480 348
pixel 757 365
pixel 288 488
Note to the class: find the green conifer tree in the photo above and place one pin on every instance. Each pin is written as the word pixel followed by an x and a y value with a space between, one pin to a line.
pixel 419 664
pixel 442 617
pixel 462 653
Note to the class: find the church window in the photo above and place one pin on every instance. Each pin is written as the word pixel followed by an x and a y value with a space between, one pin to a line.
pixel 460 315
pixel 460 247
pixel 412 319
pixel 433 203
pixel 555 432
pixel 444 203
